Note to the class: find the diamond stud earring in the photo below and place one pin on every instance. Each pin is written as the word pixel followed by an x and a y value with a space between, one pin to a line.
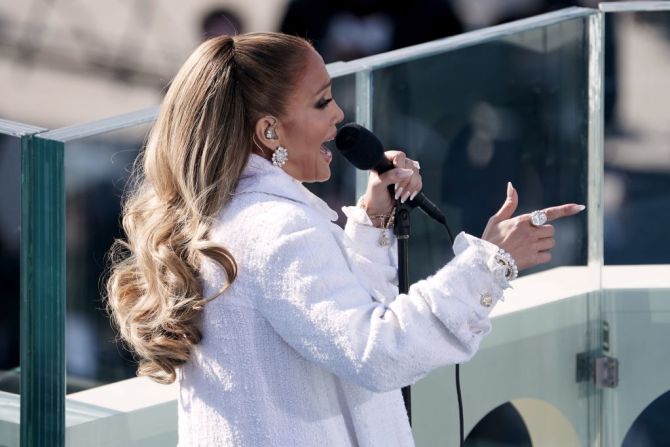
pixel 270 133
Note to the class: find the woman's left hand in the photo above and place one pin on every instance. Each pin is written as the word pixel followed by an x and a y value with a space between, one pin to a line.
pixel 406 178
pixel 528 245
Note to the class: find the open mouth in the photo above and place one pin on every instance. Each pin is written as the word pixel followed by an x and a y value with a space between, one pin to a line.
pixel 326 151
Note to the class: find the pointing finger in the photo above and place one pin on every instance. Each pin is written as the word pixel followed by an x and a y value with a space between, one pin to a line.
pixel 557 212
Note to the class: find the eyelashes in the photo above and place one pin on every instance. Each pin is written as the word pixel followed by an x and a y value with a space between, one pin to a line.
pixel 323 103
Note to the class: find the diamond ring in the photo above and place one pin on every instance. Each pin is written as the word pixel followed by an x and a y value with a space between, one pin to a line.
pixel 538 218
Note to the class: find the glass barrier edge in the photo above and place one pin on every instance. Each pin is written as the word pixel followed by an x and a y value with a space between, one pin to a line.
pixel 634 6
pixel 42 351
pixel 407 54
pixel 117 122
pixel 15 129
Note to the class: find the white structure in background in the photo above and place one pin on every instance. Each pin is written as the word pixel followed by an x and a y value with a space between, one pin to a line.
pixel 529 360
pixel 77 61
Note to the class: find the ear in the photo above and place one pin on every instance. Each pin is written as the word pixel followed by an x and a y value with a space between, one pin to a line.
pixel 261 131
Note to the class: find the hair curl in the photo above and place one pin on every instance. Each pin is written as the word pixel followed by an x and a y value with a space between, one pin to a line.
pixel 193 159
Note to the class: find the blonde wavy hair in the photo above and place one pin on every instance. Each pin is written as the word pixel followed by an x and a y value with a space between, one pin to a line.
pixel 191 164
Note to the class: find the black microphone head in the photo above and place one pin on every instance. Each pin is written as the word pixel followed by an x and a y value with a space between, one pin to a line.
pixel 360 146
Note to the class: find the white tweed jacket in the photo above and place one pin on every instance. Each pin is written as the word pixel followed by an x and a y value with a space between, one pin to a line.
pixel 312 343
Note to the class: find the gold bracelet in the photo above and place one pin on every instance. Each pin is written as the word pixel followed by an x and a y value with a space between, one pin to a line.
pixel 382 219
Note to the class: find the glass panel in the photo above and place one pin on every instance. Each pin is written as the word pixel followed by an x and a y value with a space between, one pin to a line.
pixel 637 145
pixel 15 347
pixel 42 293
pixel 473 133
pixel 10 261
pixel 96 171
pixel 637 196
pixel 511 108
pixel 98 160
pixel 639 320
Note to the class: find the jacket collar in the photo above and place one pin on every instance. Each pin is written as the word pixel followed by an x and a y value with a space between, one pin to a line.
pixel 261 176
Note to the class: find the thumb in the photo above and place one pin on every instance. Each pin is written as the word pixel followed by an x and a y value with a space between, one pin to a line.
pixel 508 208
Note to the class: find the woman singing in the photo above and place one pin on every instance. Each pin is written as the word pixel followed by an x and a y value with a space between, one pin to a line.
pixel 281 328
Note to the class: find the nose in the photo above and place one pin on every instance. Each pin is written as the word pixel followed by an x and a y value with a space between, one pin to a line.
pixel 339 114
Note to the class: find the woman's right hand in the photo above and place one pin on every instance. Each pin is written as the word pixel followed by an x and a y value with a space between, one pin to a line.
pixel 528 245
pixel 405 176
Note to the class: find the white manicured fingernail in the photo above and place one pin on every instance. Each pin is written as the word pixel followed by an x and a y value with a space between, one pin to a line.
pixel 398 191
pixel 581 207
pixel 413 195
pixel 404 173
pixel 404 197
pixel 510 189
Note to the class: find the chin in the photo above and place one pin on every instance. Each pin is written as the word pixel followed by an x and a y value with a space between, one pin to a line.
pixel 325 175
pixel 320 177
pixel 324 178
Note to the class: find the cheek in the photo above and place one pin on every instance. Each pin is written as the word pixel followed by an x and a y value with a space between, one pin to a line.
pixel 298 130
pixel 308 130
pixel 320 129
pixel 309 135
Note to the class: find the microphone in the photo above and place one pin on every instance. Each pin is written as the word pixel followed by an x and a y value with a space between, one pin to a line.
pixel 364 150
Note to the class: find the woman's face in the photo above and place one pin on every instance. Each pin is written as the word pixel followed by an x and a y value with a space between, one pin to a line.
pixel 311 117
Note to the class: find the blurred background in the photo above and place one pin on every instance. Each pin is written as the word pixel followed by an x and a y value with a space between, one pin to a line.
pixel 65 62
pixel 75 61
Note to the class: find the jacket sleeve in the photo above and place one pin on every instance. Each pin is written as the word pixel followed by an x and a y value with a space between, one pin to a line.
pixel 313 300
pixel 374 264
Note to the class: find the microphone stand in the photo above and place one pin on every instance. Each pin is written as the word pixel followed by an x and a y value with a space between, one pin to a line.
pixel 401 229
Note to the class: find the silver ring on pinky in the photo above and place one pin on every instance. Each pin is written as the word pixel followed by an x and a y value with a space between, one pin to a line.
pixel 416 165
pixel 538 218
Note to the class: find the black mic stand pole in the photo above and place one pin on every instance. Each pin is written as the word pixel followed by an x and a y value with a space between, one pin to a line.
pixel 401 230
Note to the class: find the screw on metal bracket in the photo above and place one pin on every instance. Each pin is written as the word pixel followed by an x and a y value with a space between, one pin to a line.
pixel 602 370
pixel 597 366
pixel 606 372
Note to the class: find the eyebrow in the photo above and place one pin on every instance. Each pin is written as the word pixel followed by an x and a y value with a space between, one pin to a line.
pixel 328 84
